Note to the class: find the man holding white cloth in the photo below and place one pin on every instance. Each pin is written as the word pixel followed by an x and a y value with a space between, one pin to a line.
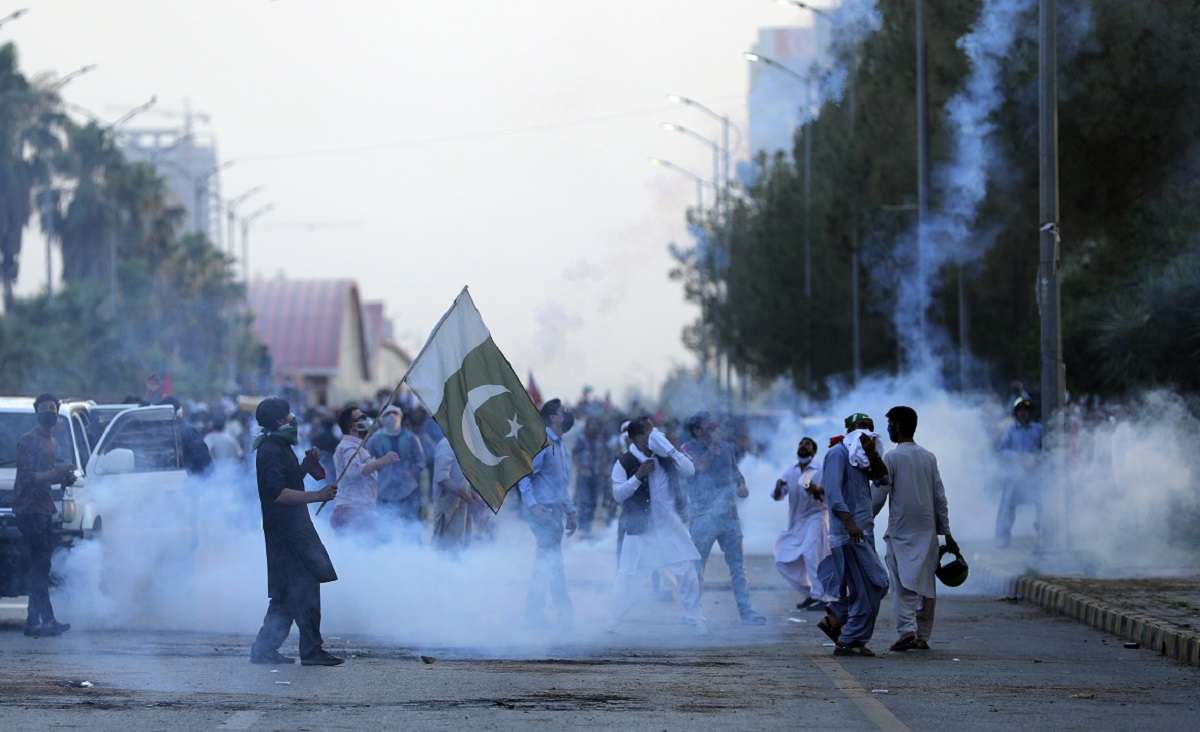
pixel 655 536
pixel 917 513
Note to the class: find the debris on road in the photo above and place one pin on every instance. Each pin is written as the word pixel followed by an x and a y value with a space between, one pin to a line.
pixel 1132 645
pixel 427 659
pixel 879 691
pixel 283 683
pixel 1086 695
pixel 797 620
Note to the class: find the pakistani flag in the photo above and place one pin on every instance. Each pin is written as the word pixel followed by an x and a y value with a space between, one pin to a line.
pixel 469 387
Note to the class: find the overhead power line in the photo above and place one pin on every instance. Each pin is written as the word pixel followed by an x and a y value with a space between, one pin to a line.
pixel 462 137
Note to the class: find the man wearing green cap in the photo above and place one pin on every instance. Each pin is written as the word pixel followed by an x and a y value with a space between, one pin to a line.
pixel 852 573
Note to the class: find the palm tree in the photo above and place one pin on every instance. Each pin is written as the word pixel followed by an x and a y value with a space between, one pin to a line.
pixel 29 123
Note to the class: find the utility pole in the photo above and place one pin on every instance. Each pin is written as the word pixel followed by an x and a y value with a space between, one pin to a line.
pixel 855 298
pixel 922 157
pixel 1049 286
pixel 808 304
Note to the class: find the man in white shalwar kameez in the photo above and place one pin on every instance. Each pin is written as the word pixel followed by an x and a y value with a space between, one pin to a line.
pixel 917 514
pixel 802 546
pixel 655 536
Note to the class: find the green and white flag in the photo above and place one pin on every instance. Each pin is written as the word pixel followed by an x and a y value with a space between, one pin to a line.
pixel 471 390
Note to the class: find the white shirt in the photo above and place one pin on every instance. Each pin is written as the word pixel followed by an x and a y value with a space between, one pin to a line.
pixel 666 540
pixel 807 532
pixel 356 487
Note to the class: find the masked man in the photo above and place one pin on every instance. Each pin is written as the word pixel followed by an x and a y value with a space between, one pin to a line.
pixel 297 562
pixel 592 460
pixel 358 474
pixel 802 547
pixel 38 470
pixel 655 537
pixel 400 481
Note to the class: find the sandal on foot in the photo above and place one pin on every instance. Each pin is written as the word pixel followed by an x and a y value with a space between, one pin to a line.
pixel 921 645
pixel 906 642
pixel 829 628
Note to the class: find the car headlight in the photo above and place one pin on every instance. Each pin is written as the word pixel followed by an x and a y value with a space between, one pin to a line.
pixel 69 511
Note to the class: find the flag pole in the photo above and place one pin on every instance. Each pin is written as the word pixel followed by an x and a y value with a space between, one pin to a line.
pixel 392 397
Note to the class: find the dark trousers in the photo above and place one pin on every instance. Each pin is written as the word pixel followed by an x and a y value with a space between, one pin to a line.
pixel 39 541
pixel 300 604
pixel 587 489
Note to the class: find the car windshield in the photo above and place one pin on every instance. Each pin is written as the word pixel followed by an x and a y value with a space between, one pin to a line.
pixel 15 424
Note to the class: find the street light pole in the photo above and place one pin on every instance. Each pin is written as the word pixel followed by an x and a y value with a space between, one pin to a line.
pixel 246 222
pixel 231 207
pixel 112 241
pixel 807 126
pixel 922 157
pixel 1049 285
pixel 13 16
pixel 199 189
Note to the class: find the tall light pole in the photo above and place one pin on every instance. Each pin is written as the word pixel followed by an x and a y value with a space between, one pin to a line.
pixel 725 176
pixel 699 179
pixel 246 222
pixel 112 242
pixel 855 255
pixel 1049 284
pixel 922 156
pixel 717 225
pixel 806 124
pixel 68 78
pixel 199 189
pixel 13 16
pixel 231 214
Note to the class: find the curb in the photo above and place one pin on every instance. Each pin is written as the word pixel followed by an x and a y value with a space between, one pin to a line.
pixel 1182 646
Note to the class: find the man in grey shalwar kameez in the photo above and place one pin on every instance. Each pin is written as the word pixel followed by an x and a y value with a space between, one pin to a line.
pixel 852 573
pixel 917 513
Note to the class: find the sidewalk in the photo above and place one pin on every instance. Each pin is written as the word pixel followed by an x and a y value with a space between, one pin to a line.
pixel 1155 607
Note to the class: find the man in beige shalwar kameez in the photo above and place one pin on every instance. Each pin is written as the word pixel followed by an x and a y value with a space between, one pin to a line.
pixel 917 514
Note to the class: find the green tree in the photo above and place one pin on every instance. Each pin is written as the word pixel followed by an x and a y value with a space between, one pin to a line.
pixel 29 123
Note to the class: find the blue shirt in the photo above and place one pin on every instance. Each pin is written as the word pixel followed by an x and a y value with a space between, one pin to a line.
pixel 713 490
pixel 398 480
pixel 548 484
pixel 847 490
pixel 1022 438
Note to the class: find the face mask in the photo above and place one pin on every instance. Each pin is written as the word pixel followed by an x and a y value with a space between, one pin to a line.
pixel 805 460
pixel 47 419
pixel 363 425
pixel 568 422
pixel 289 433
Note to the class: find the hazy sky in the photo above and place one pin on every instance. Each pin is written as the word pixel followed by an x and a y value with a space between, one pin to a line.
pixel 560 232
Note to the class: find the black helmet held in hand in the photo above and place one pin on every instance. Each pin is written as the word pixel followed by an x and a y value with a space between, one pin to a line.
pixel 952 573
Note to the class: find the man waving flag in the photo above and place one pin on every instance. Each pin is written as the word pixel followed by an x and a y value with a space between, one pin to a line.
pixel 471 390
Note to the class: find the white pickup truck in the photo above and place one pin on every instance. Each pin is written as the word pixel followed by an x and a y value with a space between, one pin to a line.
pixel 135 446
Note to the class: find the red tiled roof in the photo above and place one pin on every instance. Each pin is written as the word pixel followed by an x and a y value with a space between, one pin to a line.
pixel 300 321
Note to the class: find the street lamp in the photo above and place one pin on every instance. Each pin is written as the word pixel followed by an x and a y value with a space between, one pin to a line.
pixel 700 181
pixel 13 15
pixel 231 213
pixel 133 113
pixel 67 79
pixel 806 6
pixel 725 175
pixel 246 222
pixel 806 123
pixel 718 222
pixel 199 189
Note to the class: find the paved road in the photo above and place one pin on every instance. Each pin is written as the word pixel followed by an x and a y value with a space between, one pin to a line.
pixel 995 665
